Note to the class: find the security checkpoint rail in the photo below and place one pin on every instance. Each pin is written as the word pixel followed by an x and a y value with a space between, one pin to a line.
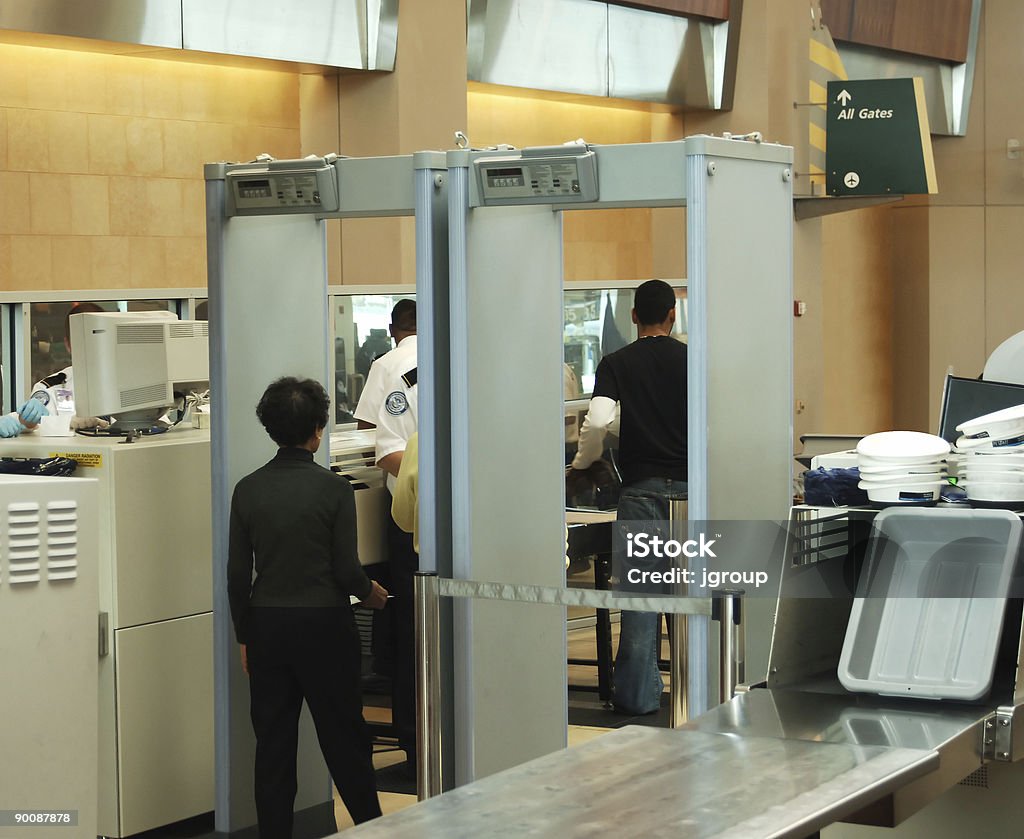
pixel 429 589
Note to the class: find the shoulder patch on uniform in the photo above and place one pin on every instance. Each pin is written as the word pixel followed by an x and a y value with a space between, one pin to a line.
pixel 55 379
pixel 396 404
pixel 42 396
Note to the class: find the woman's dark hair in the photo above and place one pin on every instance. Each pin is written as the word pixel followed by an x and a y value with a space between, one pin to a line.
pixel 653 301
pixel 292 410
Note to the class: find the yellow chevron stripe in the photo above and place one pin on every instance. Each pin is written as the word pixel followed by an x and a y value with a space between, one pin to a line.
pixel 817 93
pixel 815 170
pixel 817 134
pixel 829 59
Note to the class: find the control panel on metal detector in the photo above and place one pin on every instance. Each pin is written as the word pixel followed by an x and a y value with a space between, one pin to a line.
pixel 286 186
pixel 555 175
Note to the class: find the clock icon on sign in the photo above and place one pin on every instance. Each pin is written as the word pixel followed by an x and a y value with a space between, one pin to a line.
pixel 851 179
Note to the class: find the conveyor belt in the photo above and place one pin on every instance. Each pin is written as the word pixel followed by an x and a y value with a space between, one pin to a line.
pixel 650 782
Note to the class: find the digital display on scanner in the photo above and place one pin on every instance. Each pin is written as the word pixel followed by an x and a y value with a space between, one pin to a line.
pixel 505 177
pixel 254 189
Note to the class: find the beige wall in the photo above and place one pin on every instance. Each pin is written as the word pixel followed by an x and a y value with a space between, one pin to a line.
pixel 101 180
pixel 857 322
pixel 604 244
pixel 967 241
pixel 100 164
pixel 419 106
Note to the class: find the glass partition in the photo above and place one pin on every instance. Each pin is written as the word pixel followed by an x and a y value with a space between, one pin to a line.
pixel 361 335
pixel 597 322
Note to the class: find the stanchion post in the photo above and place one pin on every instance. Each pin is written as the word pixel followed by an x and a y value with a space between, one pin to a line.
pixel 726 645
pixel 428 685
pixel 677 516
pixel 731 643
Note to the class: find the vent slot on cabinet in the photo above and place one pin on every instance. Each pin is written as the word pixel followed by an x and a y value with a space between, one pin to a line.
pixel 62 540
pixel 23 543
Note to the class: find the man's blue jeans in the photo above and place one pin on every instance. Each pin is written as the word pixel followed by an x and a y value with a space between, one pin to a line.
pixel 638 683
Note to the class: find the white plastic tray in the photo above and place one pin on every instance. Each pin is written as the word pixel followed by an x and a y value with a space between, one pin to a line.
pixel 929 611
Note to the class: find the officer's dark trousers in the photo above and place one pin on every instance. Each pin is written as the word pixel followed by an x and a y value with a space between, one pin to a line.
pixel 310 654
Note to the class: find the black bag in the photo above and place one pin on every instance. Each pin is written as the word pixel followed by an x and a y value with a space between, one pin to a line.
pixel 60 467
pixel 833 488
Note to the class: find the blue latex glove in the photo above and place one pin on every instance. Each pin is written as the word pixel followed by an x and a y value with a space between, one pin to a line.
pixel 31 411
pixel 10 426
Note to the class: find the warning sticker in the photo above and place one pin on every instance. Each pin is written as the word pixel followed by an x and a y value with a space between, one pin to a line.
pixel 92 460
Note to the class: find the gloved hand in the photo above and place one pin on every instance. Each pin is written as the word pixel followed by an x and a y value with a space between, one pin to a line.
pixel 31 411
pixel 88 422
pixel 10 425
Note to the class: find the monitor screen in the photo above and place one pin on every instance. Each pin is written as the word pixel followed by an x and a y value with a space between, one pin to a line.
pixel 129 365
pixel 965 399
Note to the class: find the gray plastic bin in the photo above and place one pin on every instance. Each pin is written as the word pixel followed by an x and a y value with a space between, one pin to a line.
pixel 929 609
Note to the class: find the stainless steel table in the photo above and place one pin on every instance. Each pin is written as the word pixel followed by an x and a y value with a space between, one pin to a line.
pixel 822 712
pixel 652 782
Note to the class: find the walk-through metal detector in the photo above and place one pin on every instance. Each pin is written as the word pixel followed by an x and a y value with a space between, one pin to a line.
pixel 506 391
pixel 267 263
pixel 490 415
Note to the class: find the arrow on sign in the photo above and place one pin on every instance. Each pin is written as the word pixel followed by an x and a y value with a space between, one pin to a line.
pixel 844 97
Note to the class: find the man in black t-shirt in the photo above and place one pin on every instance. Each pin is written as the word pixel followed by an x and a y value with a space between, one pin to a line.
pixel 647 381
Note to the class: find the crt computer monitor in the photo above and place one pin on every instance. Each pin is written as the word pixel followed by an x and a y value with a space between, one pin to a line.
pixel 129 364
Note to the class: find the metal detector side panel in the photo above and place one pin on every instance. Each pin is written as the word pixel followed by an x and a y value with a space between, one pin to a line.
pixel 508 484
pixel 268 313
pixel 740 273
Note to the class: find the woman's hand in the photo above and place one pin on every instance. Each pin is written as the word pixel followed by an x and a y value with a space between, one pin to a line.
pixel 377 598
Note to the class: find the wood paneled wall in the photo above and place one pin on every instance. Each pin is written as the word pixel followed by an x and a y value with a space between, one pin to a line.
pixel 101 162
pixel 933 28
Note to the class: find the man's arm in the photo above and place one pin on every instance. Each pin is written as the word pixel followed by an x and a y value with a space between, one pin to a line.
pixel 391 463
pixel 599 417
pixel 393 431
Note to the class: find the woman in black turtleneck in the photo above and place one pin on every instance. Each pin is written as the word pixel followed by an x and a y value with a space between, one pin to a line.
pixel 294 522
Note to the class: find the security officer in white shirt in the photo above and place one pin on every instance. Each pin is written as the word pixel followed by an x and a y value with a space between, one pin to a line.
pixel 403 331
pixel 397 419
pixel 388 402
pixel 396 422
pixel 57 391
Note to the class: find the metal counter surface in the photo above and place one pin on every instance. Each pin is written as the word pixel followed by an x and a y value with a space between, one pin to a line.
pixel 653 782
pixel 850 719
pixel 950 730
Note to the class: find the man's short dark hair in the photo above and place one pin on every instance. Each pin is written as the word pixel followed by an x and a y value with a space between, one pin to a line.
pixel 403 316
pixel 653 301
pixel 292 410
